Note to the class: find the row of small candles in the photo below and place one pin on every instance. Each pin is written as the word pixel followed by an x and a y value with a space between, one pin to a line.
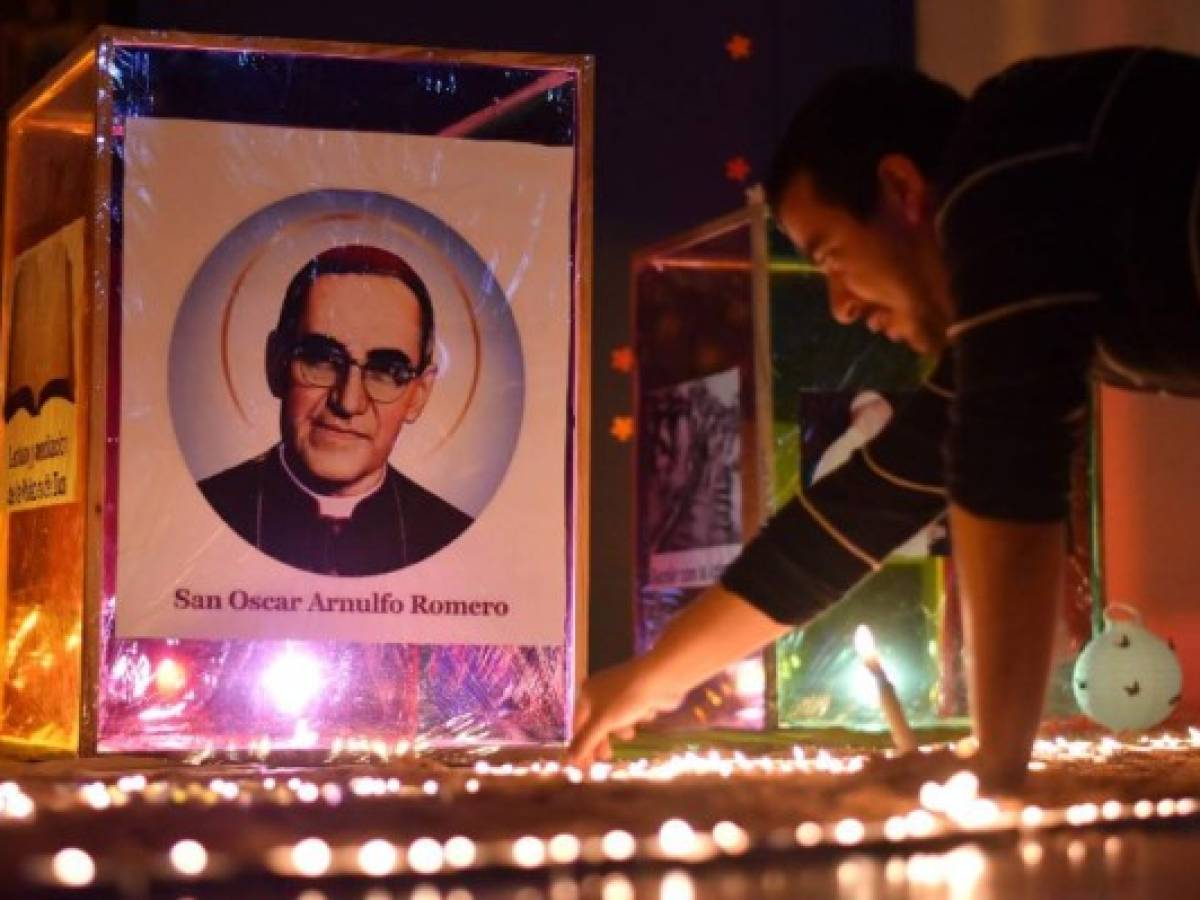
pixel 945 809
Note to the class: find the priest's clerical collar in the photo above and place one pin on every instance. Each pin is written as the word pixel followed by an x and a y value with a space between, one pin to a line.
pixel 328 505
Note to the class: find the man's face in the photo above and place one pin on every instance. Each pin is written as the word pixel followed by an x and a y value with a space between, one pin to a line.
pixel 339 434
pixel 874 267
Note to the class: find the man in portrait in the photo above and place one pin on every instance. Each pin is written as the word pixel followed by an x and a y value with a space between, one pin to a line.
pixel 351 362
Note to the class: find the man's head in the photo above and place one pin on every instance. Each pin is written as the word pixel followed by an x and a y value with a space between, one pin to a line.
pixel 851 185
pixel 351 361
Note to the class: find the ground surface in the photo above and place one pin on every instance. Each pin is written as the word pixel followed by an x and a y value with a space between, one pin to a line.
pixel 1096 818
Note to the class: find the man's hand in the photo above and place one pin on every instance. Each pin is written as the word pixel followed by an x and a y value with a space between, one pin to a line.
pixel 714 631
pixel 1011 576
pixel 611 703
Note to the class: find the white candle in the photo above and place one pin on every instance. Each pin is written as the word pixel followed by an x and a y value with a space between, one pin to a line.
pixel 889 703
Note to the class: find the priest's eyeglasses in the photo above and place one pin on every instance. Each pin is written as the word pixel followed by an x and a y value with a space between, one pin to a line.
pixel 320 361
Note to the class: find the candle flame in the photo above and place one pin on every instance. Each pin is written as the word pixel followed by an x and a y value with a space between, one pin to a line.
pixel 864 642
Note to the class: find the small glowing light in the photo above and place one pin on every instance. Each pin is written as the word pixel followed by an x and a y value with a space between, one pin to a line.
pixel 617 887
pixel 677 885
pixel 1165 808
pixel 189 857
pixel 425 856
pixel 564 848
pixel 1187 806
pixel 618 845
pixel 962 786
pixel 312 857
pixel 676 838
pixel 472 785
pixel 864 642
pixel 808 834
pixel 18 806
pixel 529 852
pixel 307 792
pixel 170 678
pixel 430 788
pixel 921 823
pixel 895 828
pixel 849 831
pixel 924 869
pixel 1112 847
pixel 378 857
pixel 1031 853
pixel 964 866
pixel 132 784
pixel 425 892
pixel 981 813
pixel 1143 809
pixel 96 795
pixel 73 867
pixel 292 680
pixel 1111 809
pixel 459 852
pixel 750 678
pixel 1076 852
pixel 932 796
pixel 1082 814
pixel 850 873
pixel 731 838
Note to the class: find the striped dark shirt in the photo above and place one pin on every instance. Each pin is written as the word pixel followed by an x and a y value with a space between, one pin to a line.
pixel 1070 226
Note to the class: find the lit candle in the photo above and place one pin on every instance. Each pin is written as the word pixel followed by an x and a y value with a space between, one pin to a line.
pixel 889 703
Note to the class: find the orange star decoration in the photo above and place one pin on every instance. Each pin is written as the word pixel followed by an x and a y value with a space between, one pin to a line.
pixel 622 360
pixel 737 169
pixel 739 47
pixel 622 428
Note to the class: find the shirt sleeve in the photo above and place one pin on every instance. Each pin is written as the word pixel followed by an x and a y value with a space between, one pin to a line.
pixel 1029 262
pixel 831 535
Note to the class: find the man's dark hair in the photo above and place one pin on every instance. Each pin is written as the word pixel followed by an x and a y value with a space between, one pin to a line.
pixel 854 119
pixel 356 259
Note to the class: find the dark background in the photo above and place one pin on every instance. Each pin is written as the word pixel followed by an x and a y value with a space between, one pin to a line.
pixel 672 109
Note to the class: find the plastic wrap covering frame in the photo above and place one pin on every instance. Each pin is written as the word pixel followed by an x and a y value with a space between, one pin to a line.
pixel 222 695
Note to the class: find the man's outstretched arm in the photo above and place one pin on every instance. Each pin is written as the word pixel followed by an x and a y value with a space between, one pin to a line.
pixel 713 632
pixel 811 553
pixel 1011 576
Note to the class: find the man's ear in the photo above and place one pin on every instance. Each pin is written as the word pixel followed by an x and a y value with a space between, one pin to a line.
pixel 904 188
pixel 422 387
pixel 276 364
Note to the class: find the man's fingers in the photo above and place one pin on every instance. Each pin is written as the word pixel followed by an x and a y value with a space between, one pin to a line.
pixel 586 741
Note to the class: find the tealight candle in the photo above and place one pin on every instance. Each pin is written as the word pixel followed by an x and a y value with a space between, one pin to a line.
pixel 889 703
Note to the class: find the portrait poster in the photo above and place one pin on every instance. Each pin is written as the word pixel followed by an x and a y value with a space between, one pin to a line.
pixel 694 490
pixel 45 306
pixel 252 438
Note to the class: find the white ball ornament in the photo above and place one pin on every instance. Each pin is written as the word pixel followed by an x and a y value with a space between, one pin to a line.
pixel 1127 678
